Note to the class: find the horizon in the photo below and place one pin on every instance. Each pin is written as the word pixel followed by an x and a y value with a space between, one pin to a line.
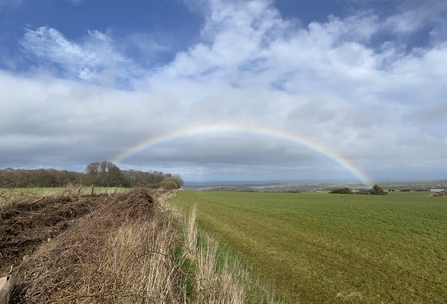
pixel 236 182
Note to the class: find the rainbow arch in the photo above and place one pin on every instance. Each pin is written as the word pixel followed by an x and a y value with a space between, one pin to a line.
pixel 205 129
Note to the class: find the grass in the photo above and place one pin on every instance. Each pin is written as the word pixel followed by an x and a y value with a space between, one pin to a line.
pixel 334 248
pixel 84 190
pixel 220 277
pixel 8 195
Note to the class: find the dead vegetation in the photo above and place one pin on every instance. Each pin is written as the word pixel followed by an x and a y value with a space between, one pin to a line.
pixel 127 248
pixel 68 248
pixel 25 225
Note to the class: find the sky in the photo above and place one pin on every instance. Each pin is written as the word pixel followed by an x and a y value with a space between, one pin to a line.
pixel 227 90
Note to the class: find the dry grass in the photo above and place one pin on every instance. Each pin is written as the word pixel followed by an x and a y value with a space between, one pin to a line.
pixel 217 278
pixel 218 284
pixel 7 196
pixel 214 283
pixel 116 254
pixel 131 248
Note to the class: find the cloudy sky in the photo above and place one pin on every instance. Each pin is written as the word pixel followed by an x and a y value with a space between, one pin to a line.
pixel 227 89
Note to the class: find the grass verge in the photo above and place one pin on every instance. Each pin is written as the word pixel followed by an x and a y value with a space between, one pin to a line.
pixel 127 248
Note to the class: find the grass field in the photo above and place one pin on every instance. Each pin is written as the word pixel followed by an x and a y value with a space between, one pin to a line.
pixel 84 190
pixel 326 248
pixel 9 194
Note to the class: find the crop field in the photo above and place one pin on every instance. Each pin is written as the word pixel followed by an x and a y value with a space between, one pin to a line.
pixel 329 248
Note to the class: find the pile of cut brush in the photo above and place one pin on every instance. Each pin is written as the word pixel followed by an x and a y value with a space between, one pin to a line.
pixel 83 249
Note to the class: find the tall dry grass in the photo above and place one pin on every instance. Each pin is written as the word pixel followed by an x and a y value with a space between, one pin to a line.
pixel 135 248
pixel 119 253
pixel 217 277
pixel 214 282
pixel 9 195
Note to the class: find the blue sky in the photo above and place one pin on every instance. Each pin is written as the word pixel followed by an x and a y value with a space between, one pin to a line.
pixel 85 80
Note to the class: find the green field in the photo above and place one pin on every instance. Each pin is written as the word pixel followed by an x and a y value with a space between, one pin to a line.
pixel 329 248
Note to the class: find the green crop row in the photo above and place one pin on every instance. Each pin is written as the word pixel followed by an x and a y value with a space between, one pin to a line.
pixel 334 248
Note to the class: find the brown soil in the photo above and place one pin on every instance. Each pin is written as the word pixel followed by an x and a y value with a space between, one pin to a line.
pixel 27 227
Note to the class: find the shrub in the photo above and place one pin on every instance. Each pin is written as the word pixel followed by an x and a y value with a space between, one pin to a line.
pixel 344 190
pixel 363 191
pixel 172 182
pixel 168 184
pixel 295 191
pixel 376 190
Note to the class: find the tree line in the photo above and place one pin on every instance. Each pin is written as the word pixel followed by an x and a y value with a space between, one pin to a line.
pixel 375 190
pixel 100 174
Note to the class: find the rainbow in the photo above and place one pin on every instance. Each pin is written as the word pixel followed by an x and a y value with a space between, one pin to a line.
pixel 207 129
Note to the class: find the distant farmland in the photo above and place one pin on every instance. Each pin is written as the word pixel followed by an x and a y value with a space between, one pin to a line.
pixel 334 248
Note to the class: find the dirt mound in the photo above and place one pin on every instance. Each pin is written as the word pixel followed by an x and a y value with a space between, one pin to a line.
pixel 132 204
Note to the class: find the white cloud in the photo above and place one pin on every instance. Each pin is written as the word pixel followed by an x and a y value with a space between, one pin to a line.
pixel 324 82
pixel 94 59
pixel 76 2
pixel 415 15
pixel 13 3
